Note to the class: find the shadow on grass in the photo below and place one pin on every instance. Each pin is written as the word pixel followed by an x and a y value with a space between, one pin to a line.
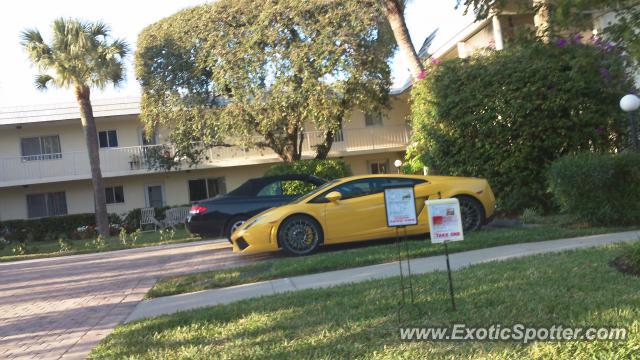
pixel 575 288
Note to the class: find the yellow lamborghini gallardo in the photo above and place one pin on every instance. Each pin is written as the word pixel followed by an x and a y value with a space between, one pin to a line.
pixel 352 209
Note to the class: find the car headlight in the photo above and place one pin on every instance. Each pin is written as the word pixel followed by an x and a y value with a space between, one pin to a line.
pixel 253 222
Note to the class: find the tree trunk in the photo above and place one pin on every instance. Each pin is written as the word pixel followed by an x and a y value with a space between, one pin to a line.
pixel 542 20
pixel 322 150
pixel 290 152
pixel 91 137
pixel 395 16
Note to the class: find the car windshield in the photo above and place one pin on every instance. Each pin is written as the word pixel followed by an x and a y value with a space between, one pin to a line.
pixel 314 192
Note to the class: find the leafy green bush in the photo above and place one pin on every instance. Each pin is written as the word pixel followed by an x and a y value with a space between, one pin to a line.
pixel 326 169
pixel 602 189
pixel 48 229
pixel 506 115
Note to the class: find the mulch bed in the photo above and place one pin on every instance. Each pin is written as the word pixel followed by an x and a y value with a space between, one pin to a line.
pixel 626 266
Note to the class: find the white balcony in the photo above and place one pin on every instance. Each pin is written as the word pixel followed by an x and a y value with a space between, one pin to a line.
pixel 124 161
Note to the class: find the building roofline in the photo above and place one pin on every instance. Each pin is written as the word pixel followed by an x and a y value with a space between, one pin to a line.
pixel 67 111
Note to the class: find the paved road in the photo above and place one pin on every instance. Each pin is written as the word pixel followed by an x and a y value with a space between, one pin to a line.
pixel 62 307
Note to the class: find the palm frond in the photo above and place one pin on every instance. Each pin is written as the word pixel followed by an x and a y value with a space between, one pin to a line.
pixel 119 47
pixel 41 81
pixel 37 50
pixel 100 29
pixel 31 36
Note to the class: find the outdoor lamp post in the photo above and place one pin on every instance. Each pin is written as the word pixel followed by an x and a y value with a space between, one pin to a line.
pixel 630 103
pixel 397 164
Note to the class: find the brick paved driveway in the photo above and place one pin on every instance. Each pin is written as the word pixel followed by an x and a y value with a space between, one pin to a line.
pixel 62 307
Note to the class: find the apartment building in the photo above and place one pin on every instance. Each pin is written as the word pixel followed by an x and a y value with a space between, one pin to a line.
pixel 44 166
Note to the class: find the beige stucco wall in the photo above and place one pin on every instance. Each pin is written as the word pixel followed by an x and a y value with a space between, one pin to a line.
pixel 360 164
pixel 13 203
pixel 70 132
pixel 479 41
pixel 396 114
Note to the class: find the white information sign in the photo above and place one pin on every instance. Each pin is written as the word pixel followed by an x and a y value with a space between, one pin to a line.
pixel 400 206
pixel 445 222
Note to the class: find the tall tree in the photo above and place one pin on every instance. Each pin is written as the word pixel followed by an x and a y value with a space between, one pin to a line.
pixel 80 56
pixel 261 73
pixel 394 10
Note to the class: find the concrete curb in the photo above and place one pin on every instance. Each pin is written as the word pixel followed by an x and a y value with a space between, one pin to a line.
pixel 121 251
pixel 182 302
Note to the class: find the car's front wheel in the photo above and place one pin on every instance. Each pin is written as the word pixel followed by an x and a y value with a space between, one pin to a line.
pixel 472 213
pixel 234 224
pixel 300 235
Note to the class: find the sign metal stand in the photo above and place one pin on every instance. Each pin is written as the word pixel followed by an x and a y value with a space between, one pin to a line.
pixel 445 225
pixel 446 252
pixel 400 210
pixel 404 259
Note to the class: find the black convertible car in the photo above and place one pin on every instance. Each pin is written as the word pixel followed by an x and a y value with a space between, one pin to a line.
pixel 222 215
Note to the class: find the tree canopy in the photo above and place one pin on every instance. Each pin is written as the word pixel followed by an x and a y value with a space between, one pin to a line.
pixel 80 54
pixel 256 73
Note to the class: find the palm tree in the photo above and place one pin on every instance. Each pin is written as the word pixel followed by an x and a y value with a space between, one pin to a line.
pixel 394 10
pixel 80 56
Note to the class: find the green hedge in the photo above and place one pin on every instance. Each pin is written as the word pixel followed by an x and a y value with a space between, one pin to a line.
pixel 326 169
pixel 602 189
pixel 506 115
pixel 49 229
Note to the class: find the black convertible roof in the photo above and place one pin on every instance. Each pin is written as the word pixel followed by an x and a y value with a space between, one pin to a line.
pixel 252 186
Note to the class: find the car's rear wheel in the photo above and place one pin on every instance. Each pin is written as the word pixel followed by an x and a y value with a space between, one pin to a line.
pixel 234 224
pixel 300 235
pixel 472 213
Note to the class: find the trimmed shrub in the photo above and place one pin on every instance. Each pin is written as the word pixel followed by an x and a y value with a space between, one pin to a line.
pixel 602 189
pixel 326 169
pixel 50 228
pixel 506 115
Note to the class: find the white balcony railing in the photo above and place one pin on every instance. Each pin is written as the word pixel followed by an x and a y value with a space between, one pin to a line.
pixel 130 160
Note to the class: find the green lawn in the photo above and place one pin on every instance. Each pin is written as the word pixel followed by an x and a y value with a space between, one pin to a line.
pixel 552 228
pixel 574 288
pixel 44 249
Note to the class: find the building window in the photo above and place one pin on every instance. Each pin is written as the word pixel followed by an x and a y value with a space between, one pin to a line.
pixel 200 189
pixel 379 167
pixel 108 138
pixel 40 148
pixel 339 135
pixel 373 119
pixel 114 195
pixel 155 196
pixel 49 204
pixel 152 139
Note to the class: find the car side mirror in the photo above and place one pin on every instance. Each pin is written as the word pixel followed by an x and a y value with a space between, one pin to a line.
pixel 333 196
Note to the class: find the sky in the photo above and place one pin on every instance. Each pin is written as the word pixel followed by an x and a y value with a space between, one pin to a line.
pixel 128 17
